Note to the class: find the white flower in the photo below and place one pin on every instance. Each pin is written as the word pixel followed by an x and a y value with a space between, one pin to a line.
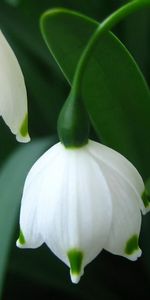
pixel 13 97
pixel 80 201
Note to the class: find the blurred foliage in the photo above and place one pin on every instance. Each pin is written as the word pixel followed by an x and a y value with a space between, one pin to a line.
pixel 38 273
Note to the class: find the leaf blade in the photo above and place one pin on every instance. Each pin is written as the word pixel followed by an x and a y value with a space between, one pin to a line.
pixel 123 113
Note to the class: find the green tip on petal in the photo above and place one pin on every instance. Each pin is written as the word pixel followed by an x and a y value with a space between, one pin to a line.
pixel 132 245
pixel 21 240
pixel 23 135
pixel 75 257
pixel 146 198
pixel 24 126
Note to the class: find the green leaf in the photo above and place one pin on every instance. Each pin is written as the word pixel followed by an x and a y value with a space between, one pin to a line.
pixel 66 43
pixel 12 177
pixel 113 88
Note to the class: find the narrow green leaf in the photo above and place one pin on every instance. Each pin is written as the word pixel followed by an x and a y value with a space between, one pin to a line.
pixel 113 88
pixel 12 177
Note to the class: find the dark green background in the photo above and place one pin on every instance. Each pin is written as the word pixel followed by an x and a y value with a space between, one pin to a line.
pixel 38 273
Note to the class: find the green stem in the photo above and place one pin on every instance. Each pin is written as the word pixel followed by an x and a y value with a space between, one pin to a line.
pixel 106 25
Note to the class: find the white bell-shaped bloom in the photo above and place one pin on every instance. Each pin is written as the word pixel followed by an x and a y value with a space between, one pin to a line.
pixel 13 96
pixel 80 201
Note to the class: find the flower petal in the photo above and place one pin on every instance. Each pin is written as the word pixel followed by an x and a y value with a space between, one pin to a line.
pixel 122 166
pixel 69 219
pixel 13 97
pixel 29 225
pixel 44 162
pixel 126 220
pixel 30 236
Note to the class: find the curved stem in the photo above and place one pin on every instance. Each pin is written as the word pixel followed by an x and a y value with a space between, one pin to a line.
pixel 106 25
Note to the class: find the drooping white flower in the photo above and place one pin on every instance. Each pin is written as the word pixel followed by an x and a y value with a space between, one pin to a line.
pixel 13 96
pixel 80 201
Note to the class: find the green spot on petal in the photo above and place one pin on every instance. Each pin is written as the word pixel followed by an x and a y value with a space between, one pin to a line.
pixel 75 258
pixel 24 126
pixel 146 198
pixel 21 239
pixel 132 245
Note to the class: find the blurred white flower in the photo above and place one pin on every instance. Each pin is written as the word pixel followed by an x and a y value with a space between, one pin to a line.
pixel 13 96
pixel 80 201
